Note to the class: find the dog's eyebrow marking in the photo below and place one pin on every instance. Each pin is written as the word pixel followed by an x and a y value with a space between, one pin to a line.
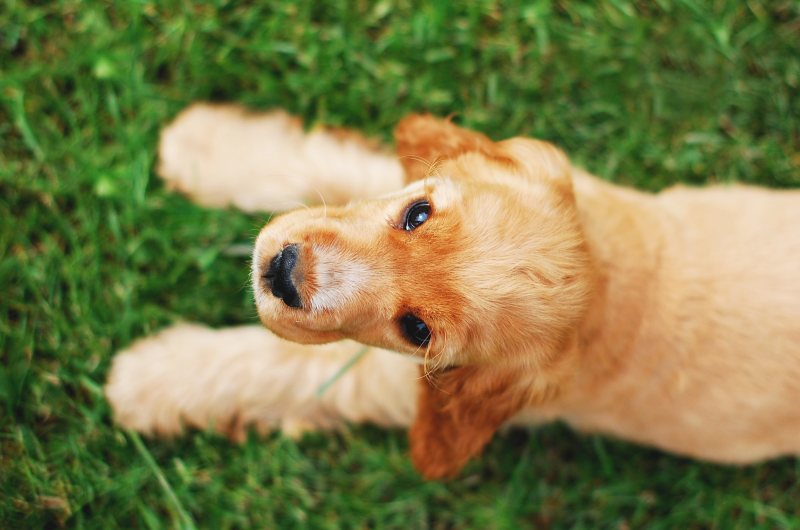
pixel 338 277
pixel 445 194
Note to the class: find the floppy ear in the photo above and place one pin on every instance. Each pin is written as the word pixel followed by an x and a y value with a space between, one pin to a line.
pixel 458 413
pixel 423 140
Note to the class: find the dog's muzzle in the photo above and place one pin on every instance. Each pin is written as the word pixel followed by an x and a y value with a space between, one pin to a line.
pixel 279 276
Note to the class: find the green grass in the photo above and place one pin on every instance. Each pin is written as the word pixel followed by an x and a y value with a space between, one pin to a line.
pixel 95 253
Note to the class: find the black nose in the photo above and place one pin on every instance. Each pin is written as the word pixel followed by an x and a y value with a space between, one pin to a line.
pixel 279 276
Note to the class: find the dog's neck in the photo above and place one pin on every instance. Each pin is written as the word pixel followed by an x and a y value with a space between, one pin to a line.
pixel 624 231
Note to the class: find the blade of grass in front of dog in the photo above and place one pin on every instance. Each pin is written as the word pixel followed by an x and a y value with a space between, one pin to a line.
pixel 341 371
pixel 21 121
pixel 183 516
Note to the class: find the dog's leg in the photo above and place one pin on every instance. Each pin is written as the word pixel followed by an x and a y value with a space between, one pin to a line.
pixel 229 379
pixel 223 155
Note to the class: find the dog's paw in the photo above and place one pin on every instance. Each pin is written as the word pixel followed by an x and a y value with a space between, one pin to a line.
pixel 227 380
pixel 144 385
pixel 223 155
pixel 188 376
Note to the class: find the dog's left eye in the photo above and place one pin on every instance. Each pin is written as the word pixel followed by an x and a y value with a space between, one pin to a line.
pixel 415 330
pixel 416 214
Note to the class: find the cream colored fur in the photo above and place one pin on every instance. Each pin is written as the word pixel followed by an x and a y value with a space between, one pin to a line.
pixel 229 379
pixel 691 342
pixel 222 155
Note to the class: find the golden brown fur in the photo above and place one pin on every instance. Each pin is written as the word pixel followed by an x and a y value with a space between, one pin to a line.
pixel 672 320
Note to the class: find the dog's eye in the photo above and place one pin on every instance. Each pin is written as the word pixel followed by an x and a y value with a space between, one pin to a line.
pixel 415 330
pixel 416 214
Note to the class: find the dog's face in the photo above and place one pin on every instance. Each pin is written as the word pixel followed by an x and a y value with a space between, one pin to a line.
pixel 479 266
pixel 480 260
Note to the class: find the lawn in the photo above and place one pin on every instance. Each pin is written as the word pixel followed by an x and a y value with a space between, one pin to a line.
pixel 94 252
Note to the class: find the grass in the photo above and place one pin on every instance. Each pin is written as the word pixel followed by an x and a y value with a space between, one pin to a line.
pixel 95 253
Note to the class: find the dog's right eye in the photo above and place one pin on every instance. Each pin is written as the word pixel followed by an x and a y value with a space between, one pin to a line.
pixel 415 330
pixel 416 214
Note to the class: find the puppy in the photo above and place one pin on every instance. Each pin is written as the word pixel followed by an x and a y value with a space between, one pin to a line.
pixel 526 289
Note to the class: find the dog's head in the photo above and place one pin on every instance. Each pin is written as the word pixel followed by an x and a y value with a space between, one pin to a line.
pixel 479 261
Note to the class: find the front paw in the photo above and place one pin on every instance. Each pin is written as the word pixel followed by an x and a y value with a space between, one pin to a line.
pixel 140 388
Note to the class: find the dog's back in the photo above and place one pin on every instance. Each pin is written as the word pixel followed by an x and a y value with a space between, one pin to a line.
pixel 705 360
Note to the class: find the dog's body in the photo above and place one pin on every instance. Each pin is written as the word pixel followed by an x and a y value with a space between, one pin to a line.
pixel 672 320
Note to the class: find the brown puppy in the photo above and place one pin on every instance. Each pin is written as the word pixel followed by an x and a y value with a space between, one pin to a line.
pixel 528 289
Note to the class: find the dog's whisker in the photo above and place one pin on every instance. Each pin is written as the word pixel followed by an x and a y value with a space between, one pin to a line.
pixel 324 204
pixel 431 165
pixel 287 204
pixel 433 168
pixel 414 157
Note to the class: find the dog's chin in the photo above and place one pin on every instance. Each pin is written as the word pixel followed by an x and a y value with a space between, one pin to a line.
pixel 294 323
pixel 294 330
